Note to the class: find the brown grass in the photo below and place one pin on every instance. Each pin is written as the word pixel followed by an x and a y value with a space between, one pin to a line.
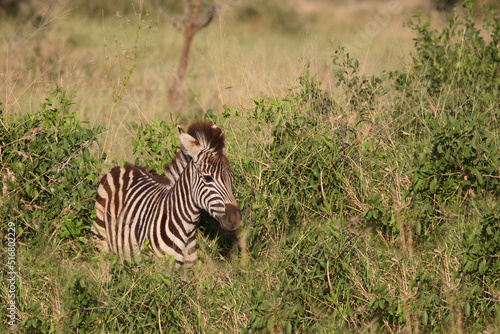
pixel 231 61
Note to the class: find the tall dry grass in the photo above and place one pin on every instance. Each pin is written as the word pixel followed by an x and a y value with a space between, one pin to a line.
pixel 241 55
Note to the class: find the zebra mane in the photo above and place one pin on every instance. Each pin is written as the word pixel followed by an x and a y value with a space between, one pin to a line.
pixel 209 136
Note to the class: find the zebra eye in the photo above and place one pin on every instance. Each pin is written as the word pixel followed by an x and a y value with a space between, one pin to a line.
pixel 208 178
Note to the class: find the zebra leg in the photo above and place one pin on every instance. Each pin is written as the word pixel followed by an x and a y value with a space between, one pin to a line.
pixel 99 237
pixel 191 253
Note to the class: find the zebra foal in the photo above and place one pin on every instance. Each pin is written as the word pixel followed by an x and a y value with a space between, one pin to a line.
pixel 134 205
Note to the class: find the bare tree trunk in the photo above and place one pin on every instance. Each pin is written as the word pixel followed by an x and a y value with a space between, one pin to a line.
pixel 190 29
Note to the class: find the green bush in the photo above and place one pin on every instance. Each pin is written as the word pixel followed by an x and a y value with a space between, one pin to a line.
pixel 93 306
pixel 155 144
pixel 454 72
pixel 454 84
pixel 301 155
pixel 459 73
pixel 49 172
pixel 480 268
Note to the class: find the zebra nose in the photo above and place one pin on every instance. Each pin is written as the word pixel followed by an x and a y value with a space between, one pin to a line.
pixel 232 217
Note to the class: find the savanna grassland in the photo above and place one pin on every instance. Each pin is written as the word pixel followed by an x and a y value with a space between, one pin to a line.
pixel 364 139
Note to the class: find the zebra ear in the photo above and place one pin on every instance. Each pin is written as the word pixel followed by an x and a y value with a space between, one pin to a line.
pixel 190 145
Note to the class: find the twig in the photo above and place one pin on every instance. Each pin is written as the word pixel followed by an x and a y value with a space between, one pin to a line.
pixel 159 321
pixel 177 24
pixel 321 184
pixel 328 275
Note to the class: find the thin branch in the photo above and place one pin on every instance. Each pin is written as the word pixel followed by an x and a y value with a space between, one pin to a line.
pixel 208 18
pixel 177 24
pixel 321 183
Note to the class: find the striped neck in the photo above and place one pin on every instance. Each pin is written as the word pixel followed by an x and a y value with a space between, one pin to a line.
pixel 174 169
pixel 182 215
pixel 184 204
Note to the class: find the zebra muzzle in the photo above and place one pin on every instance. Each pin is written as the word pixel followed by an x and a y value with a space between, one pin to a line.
pixel 231 220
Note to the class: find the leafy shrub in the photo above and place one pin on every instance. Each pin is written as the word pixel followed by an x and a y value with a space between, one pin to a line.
pixel 431 306
pixel 128 303
pixel 313 275
pixel 48 171
pixel 363 93
pixel 385 308
pixel 454 71
pixel 462 163
pixel 480 268
pixel 367 97
pixel 458 57
pixel 301 154
pixel 155 144
pixel 459 71
pixel 454 83
pixel 84 305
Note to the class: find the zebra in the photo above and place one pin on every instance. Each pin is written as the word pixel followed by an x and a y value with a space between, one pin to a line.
pixel 134 205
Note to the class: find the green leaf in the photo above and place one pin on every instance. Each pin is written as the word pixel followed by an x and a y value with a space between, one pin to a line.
pixel 432 186
pixel 479 177
pixel 482 267
pixel 424 317
pixel 467 309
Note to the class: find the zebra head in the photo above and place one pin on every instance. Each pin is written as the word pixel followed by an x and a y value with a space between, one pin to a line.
pixel 212 177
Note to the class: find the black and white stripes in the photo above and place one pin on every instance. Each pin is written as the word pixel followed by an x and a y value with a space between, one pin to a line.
pixel 134 205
